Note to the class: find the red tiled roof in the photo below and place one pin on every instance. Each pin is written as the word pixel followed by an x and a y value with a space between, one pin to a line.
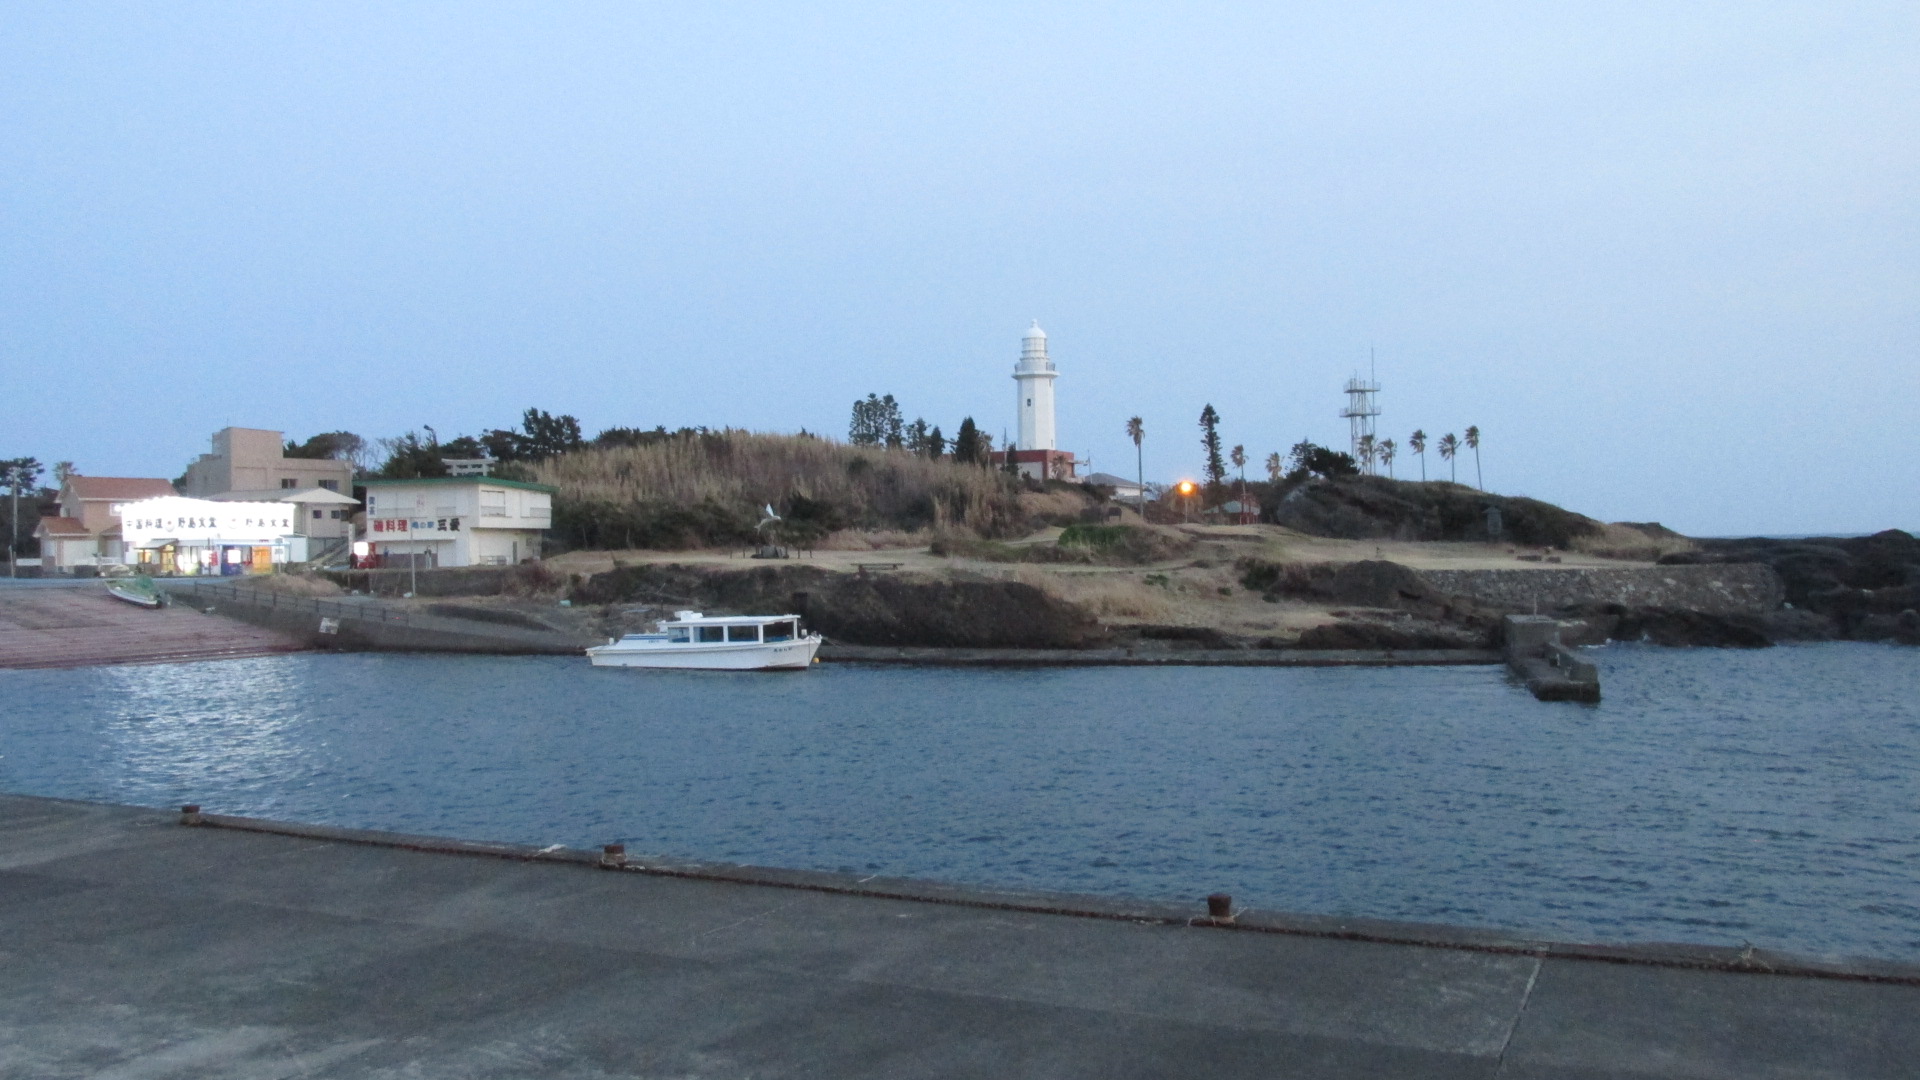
pixel 119 487
pixel 60 526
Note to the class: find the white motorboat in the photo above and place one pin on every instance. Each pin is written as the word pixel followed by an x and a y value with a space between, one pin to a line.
pixel 718 643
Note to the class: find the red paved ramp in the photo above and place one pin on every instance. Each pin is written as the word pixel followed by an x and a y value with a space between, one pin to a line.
pixel 59 626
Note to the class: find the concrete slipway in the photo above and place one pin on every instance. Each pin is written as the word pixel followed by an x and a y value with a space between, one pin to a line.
pixel 134 946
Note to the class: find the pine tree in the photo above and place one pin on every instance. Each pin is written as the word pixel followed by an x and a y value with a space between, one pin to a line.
pixel 1216 464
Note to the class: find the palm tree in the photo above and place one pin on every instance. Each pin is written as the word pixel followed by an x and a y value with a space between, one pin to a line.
pixel 1137 431
pixel 1239 459
pixel 1387 450
pixel 1417 442
pixel 1449 446
pixel 1366 449
pixel 1473 444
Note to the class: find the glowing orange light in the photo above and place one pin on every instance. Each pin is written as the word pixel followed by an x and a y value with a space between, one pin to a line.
pixel 1186 487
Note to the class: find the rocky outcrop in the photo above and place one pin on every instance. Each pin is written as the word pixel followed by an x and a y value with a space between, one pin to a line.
pixel 880 609
pixel 1863 588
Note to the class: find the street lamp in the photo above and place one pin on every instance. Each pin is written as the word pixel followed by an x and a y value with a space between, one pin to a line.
pixel 1186 490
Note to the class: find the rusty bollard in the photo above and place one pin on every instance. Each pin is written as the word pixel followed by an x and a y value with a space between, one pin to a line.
pixel 190 814
pixel 1220 907
pixel 613 856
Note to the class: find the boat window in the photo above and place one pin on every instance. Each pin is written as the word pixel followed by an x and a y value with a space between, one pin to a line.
pixel 712 633
pixel 780 631
pixel 743 633
pixel 679 634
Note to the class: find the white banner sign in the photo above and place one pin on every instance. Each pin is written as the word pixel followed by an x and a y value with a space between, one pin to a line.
pixel 203 522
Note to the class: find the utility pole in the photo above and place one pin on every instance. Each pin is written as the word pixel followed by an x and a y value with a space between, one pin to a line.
pixel 13 521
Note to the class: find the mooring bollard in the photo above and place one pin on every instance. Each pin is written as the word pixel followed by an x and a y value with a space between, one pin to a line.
pixel 190 814
pixel 613 856
pixel 1220 907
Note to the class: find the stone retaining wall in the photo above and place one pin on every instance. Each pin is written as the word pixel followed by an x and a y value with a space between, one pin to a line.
pixel 1735 589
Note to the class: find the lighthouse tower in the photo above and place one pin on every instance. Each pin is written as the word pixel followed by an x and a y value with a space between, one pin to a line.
pixel 1033 377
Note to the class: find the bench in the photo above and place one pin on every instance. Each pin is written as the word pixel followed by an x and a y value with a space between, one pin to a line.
pixel 868 566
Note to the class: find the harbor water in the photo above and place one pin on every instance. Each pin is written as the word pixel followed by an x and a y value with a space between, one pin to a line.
pixel 1769 797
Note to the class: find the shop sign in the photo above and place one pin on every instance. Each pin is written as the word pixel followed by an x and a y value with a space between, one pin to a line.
pixel 415 525
pixel 203 521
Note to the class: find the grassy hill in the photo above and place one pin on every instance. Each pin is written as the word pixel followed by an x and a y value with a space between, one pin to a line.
pixel 706 489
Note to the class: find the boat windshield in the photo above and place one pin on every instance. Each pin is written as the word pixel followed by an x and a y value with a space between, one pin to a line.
pixel 712 633
pixel 780 631
pixel 679 634
pixel 743 633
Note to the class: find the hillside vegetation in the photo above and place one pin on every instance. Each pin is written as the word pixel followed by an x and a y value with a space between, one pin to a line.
pixel 1376 508
pixel 707 489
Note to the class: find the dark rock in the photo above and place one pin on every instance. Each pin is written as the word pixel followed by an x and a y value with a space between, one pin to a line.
pixel 1355 634
pixel 873 609
pixel 1666 627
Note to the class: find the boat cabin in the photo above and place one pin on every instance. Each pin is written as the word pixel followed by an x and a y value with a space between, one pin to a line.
pixel 693 628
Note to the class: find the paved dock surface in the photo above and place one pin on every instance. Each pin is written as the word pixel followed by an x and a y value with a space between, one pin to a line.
pixel 133 946
pixel 74 624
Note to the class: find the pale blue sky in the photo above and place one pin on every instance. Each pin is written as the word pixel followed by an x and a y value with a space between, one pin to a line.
pixel 1667 257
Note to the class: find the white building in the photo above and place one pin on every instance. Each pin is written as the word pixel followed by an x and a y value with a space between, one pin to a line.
pixel 177 535
pixel 1035 447
pixel 456 520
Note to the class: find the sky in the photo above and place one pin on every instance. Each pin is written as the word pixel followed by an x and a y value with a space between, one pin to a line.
pixel 1665 256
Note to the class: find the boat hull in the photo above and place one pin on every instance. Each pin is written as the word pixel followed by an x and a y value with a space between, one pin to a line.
pixel 756 656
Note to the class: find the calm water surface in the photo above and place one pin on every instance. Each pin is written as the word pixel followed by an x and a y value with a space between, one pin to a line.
pixel 1719 796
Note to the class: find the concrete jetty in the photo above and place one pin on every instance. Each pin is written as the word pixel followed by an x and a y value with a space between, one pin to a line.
pixel 132 945
pixel 1551 670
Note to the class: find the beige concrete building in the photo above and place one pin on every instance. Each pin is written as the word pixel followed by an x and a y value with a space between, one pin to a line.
pixel 250 462
pixel 87 530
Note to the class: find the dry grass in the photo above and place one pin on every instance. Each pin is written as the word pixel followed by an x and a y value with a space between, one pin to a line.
pixel 295 584
pixel 1123 597
pixel 1616 541
pixel 741 471
pixel 877 540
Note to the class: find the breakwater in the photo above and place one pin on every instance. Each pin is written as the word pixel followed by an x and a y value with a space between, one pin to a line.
pixel 365 622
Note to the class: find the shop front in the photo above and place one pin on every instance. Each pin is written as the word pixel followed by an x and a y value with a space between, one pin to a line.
pixel 173 535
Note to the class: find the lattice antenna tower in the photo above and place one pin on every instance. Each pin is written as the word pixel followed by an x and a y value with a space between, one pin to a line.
pixel 1359 413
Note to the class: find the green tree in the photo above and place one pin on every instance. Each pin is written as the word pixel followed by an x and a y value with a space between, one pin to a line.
pixel 1275 467
pixel 336 445
pixel 17 473
pixel 936 443
pixel 1473 444
pixel 1239 459
pixel 1137 430
pixel 548 435
pixel 1449 446
pixel 410 457
pixel 1387 450
pixel 1216 466
pixel 966 444
pixel 1417 442
pixel 1366 453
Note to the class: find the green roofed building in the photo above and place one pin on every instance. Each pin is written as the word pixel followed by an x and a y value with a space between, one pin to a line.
pixel 455 521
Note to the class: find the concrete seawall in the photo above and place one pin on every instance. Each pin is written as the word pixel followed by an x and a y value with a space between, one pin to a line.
pixel 135 946
pixel 366 624
pixel 1734 589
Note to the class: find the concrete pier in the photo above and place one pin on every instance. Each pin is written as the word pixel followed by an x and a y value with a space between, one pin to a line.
pixel 134 946
pixel 1550 669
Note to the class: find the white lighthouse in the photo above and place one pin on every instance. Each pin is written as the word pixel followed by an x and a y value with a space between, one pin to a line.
pixel 1033 378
